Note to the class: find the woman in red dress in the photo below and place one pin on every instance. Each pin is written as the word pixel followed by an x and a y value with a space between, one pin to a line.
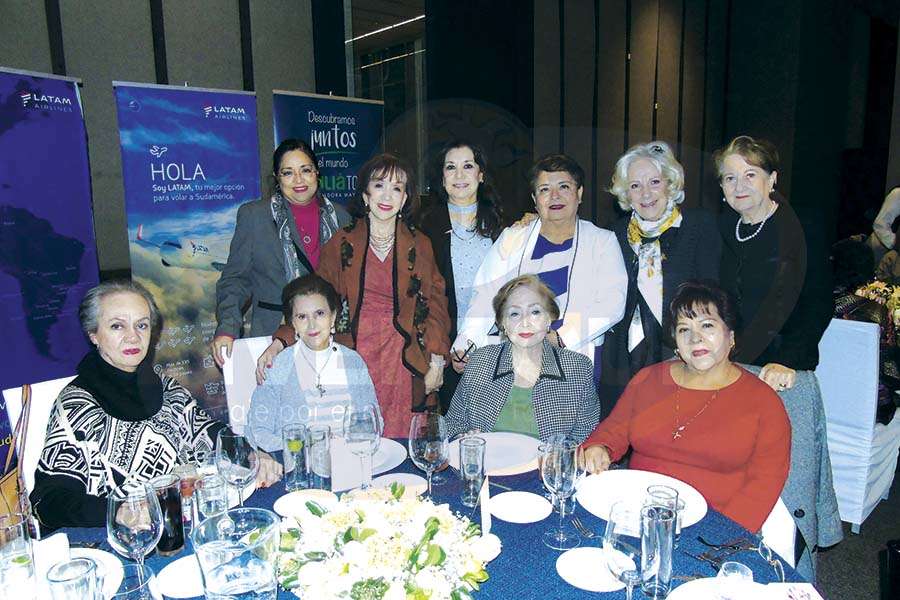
pixel 394 310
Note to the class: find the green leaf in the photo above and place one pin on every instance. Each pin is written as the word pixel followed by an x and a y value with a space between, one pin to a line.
pixel 436 556
pixel 315 508
pixel 369 589
pixel 366 533
pixel 397 490
pixel 22 559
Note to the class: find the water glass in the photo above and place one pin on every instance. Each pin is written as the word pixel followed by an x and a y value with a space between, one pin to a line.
pixel 362 433
pixel 319 456
pixel 75 578
pixel 211 495
pixel 16 558
pixel 664 495
pixel 137 584
pixel 657 540
pixel 168 491
pixel 293 438
pixel 428 442
pixel 559 472
pixel 471 468
pixel 620 543
pixel 237 552
pixel 734 581
pixel 133 520
pixel 236 460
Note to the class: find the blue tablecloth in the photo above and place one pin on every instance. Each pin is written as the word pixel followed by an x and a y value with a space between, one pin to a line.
pixel 526 568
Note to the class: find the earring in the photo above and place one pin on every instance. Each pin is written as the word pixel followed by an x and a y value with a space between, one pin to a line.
pixel 678 354
pixel 723 199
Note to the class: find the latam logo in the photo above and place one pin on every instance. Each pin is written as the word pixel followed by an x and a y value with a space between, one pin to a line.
pixel 234 113
pixel 33 98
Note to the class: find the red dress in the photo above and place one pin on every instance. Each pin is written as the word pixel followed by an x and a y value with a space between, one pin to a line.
pixel 381 346
pixel 736 451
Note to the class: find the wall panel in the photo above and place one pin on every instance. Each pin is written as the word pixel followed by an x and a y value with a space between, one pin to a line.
pixel 692 100
pixel 203 43
pixel 668 73
pixel 642 69
pixel 546 77
pixel 106 40
pixel 23 36
pixel 611 106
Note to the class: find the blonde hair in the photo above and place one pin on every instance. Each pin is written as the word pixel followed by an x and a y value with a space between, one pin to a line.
pixel 757 152
pixel 548 299
pixel 662 157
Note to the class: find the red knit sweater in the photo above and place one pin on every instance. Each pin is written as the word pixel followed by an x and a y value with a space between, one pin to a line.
pixel 737 452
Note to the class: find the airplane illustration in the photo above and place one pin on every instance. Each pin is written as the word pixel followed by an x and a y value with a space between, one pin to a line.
pixel 183 252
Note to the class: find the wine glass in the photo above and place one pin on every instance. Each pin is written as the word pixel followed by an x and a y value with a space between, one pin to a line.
pixel 134 521
pixel 362 433
pixel 621 541
pixel 236 460
pixel 428 442
pixel 559 472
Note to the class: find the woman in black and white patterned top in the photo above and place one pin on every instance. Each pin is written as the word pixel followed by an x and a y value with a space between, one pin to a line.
pixel 118 418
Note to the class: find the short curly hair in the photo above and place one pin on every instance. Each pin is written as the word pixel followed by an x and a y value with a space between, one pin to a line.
pixel 661 155
pixel 548 300
pixel 757 152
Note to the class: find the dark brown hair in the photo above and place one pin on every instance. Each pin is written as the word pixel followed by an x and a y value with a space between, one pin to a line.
pixel 385 165
pixel 489 218
pixel 757 152
pixel 307 286
pixel 694 296
pixel 555 163
pixel 289 145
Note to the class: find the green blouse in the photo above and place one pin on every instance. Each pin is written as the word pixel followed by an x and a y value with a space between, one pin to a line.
pixel 517 414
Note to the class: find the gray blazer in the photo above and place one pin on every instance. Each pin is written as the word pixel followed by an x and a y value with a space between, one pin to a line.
pixel 809 492
pixel 254 273
pixel 565 401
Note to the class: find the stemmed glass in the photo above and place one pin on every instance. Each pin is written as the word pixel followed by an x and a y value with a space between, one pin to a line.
pixel 559 472
pixel 134 521
pixel 362 433
pixel 428 446
pixel 620 544
pixel 236 460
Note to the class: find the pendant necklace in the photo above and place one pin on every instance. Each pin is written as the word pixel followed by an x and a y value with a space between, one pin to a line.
pixel 678 429
pixel 318 372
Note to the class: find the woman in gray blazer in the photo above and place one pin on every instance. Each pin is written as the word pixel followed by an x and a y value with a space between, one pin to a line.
pixel 525 384
pixel 276 240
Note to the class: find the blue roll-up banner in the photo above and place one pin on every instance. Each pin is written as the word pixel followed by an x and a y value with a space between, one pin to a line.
pixel 48 253
pixel 189 160
pixel 343 132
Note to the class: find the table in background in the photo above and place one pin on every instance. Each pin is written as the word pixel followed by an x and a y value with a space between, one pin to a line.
pixel 526 568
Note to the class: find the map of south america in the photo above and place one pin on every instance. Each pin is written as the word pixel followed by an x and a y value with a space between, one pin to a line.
pixel 46 265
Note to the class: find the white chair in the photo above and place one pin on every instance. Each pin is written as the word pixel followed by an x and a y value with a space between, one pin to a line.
pixel 863 453
pixel 43 395
pixel 240 378
pixel 779 532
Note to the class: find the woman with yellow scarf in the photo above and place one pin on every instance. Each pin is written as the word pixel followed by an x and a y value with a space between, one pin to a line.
pixel 663 245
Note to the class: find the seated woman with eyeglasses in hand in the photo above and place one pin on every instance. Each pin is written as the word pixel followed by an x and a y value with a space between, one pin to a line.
pixel 313 382
pixel 701 418
pixel 525 384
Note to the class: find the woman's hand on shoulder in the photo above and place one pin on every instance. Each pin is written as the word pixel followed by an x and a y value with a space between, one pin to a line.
pixel 526 220
pixel 778 377
pixel 270 470
pixel 265 360
pixel 596 459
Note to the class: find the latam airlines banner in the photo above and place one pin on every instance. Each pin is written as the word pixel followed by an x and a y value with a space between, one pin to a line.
pixel 343 132
pixel 189 160
pixel 48 254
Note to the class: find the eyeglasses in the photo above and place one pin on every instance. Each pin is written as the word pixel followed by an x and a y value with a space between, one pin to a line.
pixel 304 171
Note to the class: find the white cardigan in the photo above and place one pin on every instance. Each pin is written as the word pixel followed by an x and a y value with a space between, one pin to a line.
pixel 598 285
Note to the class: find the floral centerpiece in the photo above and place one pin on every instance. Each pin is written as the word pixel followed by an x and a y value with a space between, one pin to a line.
pixel 885 294
pixel 381 544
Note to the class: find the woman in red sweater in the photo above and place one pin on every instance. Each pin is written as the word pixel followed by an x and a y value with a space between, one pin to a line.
pixel 701 418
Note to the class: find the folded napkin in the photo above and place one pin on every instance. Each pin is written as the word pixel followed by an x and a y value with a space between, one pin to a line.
pixel 48 552
pixel 484 500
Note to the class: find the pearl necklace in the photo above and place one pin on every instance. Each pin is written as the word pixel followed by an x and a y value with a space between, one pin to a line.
pixel 737 226
pixel 318 372
pixel 381 245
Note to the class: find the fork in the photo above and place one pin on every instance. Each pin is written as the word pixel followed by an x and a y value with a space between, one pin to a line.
pixel 734 545
pixel 712 560
pixel 584 531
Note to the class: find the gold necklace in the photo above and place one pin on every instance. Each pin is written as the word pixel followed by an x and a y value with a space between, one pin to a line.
pixel 679 429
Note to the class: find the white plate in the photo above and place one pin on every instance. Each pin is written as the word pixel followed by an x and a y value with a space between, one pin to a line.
pixel 597 493
pixel 708 589
pixel 586 569
pixel 505 453
pixel 108 563
pixel 414 484
pixel 181 579
pixel 293 503
pixel 520 507
pixel 390 455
